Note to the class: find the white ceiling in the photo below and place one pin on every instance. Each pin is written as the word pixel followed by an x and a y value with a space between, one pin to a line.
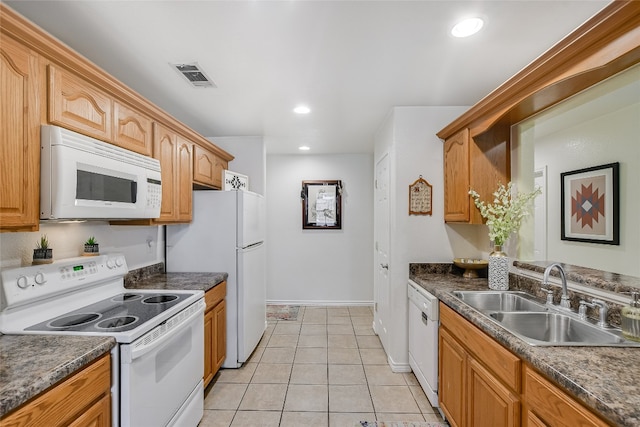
pixel 349 61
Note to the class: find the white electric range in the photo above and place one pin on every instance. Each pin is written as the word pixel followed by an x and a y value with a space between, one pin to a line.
pixel 158 361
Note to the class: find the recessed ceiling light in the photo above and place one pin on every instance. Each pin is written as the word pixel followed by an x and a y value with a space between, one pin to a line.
pixel 304 148
pixel 302 109
pixel 467 27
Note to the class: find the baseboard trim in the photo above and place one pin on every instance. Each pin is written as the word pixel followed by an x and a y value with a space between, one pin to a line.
pixel 320 303
pixel 398 367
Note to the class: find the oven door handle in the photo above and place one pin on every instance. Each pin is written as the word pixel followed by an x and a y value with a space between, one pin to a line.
pixel 162 333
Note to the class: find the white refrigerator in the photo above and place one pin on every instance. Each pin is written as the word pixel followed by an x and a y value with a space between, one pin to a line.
pixel 227 235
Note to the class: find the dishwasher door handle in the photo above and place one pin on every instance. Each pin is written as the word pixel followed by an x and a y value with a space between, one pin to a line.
pixel 425 319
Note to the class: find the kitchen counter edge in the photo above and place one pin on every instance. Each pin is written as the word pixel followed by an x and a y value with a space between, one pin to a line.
pixel 599 377
pixel 31 364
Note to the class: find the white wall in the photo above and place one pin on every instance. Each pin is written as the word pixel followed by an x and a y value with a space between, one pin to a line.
pixel 409 136
pixel 142 246
pixel 250 158
pixel 319 266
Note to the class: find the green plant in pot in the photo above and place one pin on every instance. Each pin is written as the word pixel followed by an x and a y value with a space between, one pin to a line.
pixel 91 246
pixel 42 254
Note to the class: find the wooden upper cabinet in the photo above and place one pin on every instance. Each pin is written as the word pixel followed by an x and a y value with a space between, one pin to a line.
pixel 20 138
pixel 78 105
pixel 478 162
pixel 132 130
pixel 185 180
pixel 165 149
pixel 456 177
pixel 176 157
pixel 207 168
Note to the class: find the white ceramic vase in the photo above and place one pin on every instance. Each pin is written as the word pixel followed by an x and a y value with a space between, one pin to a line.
pixel 498 269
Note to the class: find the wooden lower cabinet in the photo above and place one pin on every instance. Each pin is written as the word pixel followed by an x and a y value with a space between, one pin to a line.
pixel 452 374
pixel 547 405
pixel 482 384
pixel 82 400
pixel 490 402
pixel 215 331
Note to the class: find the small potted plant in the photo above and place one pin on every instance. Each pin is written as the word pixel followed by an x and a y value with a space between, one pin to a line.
pixel 42 254
pixel 91 247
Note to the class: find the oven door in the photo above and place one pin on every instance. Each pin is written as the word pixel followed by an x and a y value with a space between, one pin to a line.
pixel 161 373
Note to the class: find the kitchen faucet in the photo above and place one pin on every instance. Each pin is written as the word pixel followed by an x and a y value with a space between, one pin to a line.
pixel 564 300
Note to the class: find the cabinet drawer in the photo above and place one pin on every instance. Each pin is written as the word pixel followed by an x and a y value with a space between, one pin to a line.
pixel 505 365
pixel 213 296
pixel 553 406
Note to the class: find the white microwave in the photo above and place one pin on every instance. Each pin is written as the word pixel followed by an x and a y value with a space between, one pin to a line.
pixel 83 178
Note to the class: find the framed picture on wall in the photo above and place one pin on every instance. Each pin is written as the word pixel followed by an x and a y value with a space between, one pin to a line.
pixel 590 205
pixel 322 205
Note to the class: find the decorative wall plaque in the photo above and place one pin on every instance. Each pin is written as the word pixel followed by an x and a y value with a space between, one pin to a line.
pixel 420 197
pixel 235 181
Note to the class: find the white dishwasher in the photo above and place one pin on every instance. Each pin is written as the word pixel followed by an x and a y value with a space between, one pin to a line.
pixel 423 339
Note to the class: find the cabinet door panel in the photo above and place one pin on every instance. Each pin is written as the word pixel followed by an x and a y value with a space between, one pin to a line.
pixel 452 379
pixel 491 403
pixel 165 148
pixel 98 415
pixel 20 138
pixel 209 336
pixel 185 180
pixel 456 177
pixel 77 105
pixel 132 130
pixel 220 322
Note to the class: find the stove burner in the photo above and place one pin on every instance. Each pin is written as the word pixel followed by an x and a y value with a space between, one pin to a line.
pixel 159 299
pixel 126 297
pixel 116 322
pixel 74 320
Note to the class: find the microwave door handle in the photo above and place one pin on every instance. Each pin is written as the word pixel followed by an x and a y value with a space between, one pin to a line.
pixel 134 191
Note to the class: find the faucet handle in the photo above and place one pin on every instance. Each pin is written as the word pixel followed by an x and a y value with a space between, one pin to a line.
pixel 603 310
pixel 549 295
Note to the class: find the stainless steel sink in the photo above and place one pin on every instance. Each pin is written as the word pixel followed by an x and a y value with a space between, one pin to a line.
pixel 555 329
pixel 539 324
pixel 499 301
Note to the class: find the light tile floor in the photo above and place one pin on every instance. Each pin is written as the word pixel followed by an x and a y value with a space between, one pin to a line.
pixel 327 368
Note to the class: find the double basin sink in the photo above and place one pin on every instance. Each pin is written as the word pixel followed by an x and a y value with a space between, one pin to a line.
pixel 539 324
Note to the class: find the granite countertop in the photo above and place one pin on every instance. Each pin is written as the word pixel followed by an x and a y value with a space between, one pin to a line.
pixel 604 379
pixel 189 281
pixel 30 364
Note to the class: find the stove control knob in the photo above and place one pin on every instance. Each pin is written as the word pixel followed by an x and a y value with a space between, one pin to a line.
pixel 22 282
pixel 39 279
pixel 119 262
pixel 110 264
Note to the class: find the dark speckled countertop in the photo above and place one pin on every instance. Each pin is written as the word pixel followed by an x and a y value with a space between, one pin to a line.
pixel 154 277
pixel 30 364
pixel 605 379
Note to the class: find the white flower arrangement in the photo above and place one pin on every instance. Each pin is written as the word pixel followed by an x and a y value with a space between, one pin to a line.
pixel 505 214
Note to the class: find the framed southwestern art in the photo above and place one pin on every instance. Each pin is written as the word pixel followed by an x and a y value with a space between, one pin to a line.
pixel 322 205
pixel 590 205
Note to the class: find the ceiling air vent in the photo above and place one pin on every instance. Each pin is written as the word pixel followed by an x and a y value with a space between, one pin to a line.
pixel 194 75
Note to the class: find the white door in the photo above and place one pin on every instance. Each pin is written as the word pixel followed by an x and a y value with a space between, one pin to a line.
pixel 382 231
